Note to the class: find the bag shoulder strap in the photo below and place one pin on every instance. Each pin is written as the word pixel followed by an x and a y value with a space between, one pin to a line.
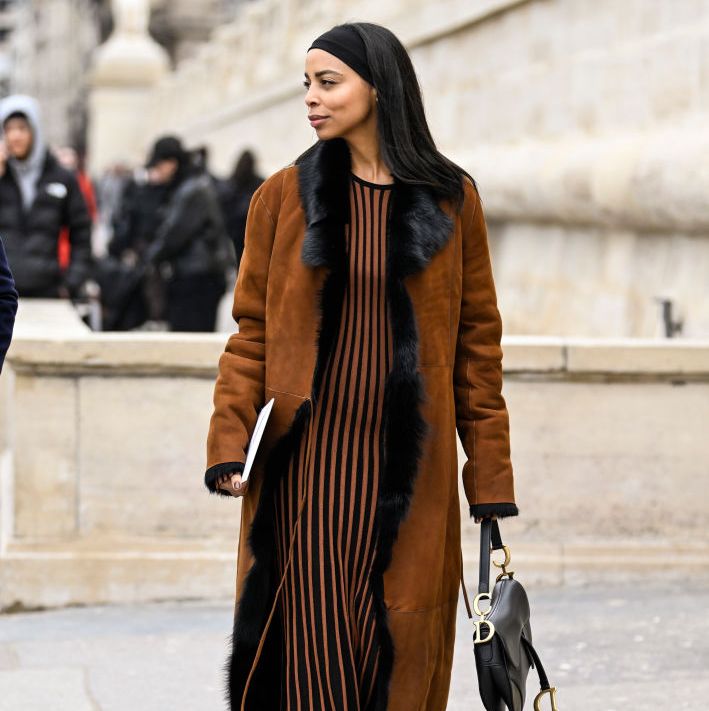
pixel 490 540
pixel 544 686
pixel 489 537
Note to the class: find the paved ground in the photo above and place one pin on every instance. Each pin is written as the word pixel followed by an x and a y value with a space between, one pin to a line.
pixel 644 647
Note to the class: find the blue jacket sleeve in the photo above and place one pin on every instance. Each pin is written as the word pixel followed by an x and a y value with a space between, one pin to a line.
pixel 8 305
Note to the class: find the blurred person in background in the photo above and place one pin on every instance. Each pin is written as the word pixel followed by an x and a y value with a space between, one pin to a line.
pixel 110 188
pixel 200 160
pixel 191 247
pixel 133 296
pixel 8 305
pixel 235 196
pixel 38 197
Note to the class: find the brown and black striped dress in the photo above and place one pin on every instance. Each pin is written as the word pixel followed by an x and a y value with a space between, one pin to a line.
pixel 330 650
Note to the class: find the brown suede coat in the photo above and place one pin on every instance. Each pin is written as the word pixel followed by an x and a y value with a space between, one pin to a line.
pixel 447 376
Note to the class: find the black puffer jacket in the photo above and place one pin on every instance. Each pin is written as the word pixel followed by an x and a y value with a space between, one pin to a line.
pixel 191 237
pixel 31 236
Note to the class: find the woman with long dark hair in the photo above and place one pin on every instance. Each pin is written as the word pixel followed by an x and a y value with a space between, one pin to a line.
pixel 367 310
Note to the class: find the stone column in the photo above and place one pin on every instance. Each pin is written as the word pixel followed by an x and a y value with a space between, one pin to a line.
pixel 126 69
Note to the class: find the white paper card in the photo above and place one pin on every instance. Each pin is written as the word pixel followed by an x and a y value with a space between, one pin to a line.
pixel 256 438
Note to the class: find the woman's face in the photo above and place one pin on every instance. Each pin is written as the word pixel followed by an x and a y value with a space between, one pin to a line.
pixel 339 101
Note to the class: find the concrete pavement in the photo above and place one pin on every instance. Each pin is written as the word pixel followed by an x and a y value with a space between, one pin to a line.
pixel 610 648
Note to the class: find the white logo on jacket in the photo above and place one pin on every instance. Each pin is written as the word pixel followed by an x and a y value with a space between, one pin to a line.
pixel 57 190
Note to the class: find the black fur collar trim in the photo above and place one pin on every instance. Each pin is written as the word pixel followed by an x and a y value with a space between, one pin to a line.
pixel 323 180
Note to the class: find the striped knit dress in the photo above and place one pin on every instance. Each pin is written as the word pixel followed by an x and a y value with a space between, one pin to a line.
pixel 326 607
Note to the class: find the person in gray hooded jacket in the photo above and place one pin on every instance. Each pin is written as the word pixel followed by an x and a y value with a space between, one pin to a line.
pixel 37 199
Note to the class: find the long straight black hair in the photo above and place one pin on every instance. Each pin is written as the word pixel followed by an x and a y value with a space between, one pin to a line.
pixel 406 144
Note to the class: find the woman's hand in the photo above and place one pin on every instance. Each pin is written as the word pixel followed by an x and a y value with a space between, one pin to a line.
pixel 478 519
pixel 232 484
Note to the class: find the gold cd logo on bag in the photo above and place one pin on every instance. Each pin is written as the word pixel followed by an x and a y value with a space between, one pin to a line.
pixel 478 638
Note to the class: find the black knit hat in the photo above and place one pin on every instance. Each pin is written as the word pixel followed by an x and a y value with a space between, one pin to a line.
pixel 166 148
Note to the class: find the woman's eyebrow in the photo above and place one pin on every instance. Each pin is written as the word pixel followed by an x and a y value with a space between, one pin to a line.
pixel 324 71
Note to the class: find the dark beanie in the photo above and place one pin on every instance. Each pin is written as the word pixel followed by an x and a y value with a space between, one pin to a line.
pixel 346 44
pixel 166 148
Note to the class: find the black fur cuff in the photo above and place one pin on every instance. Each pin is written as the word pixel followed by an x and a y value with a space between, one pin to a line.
pixel 213 473
pixel 500 510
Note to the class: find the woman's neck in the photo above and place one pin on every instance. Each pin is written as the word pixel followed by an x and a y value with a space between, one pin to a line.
pixel 367 162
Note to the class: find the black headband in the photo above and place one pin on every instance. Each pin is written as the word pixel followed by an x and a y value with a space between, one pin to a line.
pixel 346 44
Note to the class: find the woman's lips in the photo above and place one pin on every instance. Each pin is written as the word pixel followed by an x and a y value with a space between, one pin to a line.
pixel 315 121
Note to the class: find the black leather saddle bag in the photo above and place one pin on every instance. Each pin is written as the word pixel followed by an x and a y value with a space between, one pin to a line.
pixel 503 634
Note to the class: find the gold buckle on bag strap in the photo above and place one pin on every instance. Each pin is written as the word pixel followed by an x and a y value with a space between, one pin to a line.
pixel 552 698
pixel 504 564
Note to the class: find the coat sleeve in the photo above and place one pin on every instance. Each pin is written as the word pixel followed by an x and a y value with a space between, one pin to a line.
pixel 78 220
pixel 239 389
pixel 8 305
pixel 181 224
pixel 482 419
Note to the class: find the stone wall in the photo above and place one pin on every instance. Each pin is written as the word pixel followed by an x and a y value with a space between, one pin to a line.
pixel 101 480
pixel 102 497
pixel 584 122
